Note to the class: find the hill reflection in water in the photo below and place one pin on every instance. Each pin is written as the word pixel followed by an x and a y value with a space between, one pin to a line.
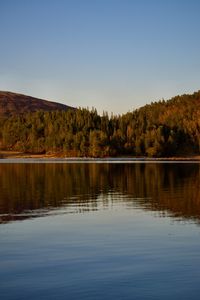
pixel 32 190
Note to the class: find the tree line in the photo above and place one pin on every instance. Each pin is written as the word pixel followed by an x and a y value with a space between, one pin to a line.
pixel 160 129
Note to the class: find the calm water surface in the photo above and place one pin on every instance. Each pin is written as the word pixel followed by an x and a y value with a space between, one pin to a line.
pixel 100 231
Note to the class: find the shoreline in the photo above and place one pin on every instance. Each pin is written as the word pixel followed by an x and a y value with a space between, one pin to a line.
pixel 20 156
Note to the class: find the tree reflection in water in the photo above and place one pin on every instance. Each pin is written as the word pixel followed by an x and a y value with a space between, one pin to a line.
pixel 30 190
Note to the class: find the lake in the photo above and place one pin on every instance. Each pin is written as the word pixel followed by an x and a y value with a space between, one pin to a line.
pixel 99 231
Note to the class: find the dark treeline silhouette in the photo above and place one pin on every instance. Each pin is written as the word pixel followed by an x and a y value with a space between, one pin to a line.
pixel 160 129
pixel 40 189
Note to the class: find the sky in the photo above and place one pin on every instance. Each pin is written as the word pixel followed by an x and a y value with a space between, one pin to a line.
pixel 114 55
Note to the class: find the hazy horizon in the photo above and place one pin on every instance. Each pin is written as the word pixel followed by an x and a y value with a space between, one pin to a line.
pixel 113 55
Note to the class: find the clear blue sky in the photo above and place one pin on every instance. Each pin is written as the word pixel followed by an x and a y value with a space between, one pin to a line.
pixel 115 55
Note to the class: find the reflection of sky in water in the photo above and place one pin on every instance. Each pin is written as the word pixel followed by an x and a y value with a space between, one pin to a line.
pixel 106 254
pixel 110 231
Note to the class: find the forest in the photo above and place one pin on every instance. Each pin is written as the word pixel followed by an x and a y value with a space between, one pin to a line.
pixel 160 129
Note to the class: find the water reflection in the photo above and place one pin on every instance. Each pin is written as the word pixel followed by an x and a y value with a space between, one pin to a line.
pixel 30 190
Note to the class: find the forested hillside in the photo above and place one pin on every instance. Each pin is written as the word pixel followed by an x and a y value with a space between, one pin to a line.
pixel 161 129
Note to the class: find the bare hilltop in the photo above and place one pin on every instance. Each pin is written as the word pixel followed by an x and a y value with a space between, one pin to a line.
pixel 12 104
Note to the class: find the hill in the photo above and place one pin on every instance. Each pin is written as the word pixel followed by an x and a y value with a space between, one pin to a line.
pixel 160 129
pixel 14 104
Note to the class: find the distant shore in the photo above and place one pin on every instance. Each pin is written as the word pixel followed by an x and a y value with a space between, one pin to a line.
pixel 56 156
